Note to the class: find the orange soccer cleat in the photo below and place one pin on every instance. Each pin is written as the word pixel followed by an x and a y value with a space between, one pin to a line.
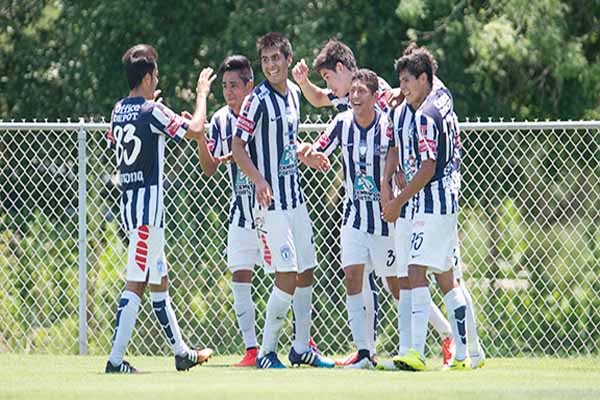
pixel 249 359
pixel 448 349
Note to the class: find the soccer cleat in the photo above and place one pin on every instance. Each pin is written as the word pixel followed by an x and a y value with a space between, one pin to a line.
pixel 313 345
pixel 269 360
pixel 350 359
pixel 411 361
pixel 362 361
pixel 461 365
pixel 192 358
pixel 310 358
pixel 124 368
pixel 387 365
pixel 478 360
pixel 249 359
pixel 448 349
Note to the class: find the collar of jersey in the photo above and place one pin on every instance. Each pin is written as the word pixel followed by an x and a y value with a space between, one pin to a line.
pixel 370 125
pixel 272 89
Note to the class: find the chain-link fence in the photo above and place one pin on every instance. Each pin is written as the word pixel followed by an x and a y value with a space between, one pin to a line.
pixel 528 224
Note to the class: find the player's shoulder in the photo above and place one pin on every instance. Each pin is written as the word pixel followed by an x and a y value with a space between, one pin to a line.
pixel 438 104
pixel 260 91
pixel 347 115
pixel 293 87
pixel 221 113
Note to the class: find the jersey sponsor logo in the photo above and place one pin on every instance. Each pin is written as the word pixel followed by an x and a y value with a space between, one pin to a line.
pixel 288 165
pixel 131 177
pixel 427 145
pixel 245 124
pixel 174 124
pixel 324 140
pixel 243 186
pixel 365 188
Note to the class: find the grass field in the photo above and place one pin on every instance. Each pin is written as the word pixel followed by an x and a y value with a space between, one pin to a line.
pixel 72 377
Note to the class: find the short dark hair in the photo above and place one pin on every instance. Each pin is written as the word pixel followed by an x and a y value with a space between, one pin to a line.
pixel 238 63
pixel 368 77
pixel 412 46
pixel 139 60
pixel 274 40
pixel 334 52
pixel 417 63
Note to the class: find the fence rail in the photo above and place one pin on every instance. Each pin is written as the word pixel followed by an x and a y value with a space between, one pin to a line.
pixel 528 226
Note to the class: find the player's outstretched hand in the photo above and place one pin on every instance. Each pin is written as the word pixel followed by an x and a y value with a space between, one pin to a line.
pixel 263 193
pixel 394 97
pixel 391 210
pixel 205 79
pixel 300 72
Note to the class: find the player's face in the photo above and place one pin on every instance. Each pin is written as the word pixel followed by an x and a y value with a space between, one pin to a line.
pixel 338 80
pixel 235 90
pixel 275 66
pixel 361 98
pixel 414 89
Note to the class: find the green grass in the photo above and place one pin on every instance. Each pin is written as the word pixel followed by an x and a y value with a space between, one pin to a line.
pixel 72 377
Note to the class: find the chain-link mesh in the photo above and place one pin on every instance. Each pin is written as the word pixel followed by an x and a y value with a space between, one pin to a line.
pixel 528 226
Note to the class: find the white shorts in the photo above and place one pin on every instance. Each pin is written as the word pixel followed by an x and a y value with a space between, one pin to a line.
pixel 243 249
pixel 146 255
pixel 287 239
pixel 403 235
pixel 374 251
pixel 433 240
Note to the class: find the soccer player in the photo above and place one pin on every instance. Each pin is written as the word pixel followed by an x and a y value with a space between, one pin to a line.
pixel 243 246
pixel 139 127
pixel 405 151
pixel 336 64
pixel 432 187
pixel 364 135
pixel 268 125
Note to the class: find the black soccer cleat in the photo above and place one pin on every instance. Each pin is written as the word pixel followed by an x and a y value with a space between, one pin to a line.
pixel 192 358
pixel 123 368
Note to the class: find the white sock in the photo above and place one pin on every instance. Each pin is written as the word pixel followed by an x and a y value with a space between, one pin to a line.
pixel 369 292
pixel 129 305
pixel 472 335
pixel 161 303
pixel 357 318
pixel 301 306
pixel 244 311
pixel 277 309
pixel 457 308
pixel 404 321
pixel 420 306
pixel 439 322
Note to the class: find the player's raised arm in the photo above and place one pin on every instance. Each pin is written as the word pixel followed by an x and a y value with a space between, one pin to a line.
pixel 196 125
pixel 207 151
pixel 314 94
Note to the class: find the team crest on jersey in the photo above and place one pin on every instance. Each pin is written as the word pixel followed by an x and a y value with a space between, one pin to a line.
pixel 243 186
pixel 362 148
pixel 365 188
pixel 288 165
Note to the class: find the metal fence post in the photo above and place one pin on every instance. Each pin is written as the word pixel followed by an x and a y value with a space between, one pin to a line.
pixel 81 140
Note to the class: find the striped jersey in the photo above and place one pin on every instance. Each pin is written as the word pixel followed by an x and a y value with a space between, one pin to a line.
pixel 137 132
pixel 342 104
pixel 363 158
pixel 222 128
pixel 269 123
pixel 431 133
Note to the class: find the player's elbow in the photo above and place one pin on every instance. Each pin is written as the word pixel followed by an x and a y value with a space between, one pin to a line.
pixel 428 168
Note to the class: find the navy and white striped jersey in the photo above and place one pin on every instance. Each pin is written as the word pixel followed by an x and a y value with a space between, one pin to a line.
pixel 436 136
pixel 342 104
pixel 403 123
pixel 137 132
pixel 222 128
pixel 269 123
pixel 363 158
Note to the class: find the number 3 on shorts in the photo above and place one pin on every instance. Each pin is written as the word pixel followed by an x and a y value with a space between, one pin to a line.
pixel 391 258
pixel 416 240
